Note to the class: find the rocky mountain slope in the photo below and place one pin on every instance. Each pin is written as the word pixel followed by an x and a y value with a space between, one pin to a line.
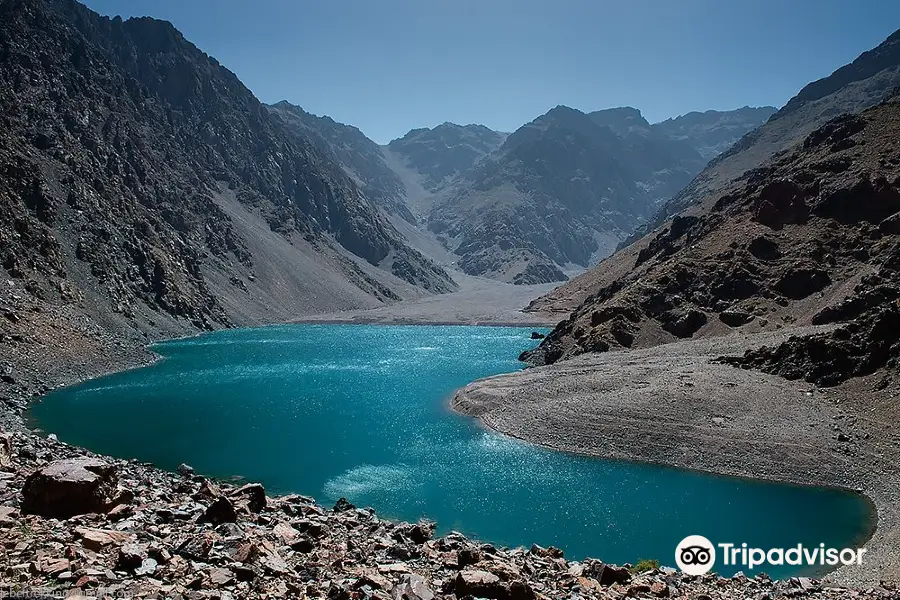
pixel 542 199
pixel 868 80
pixel 564 189
pixel 460 182
pixel 445 152
pixel 143 183
pixel 362 158
pixel 712 132
pixel 810 237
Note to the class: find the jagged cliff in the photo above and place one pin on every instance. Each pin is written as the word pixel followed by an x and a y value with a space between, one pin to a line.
pixel 141 178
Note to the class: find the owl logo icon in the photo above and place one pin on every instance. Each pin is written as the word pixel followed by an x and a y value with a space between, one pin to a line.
pixel 695 555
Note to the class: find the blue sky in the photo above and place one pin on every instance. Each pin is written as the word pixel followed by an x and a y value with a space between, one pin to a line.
pixel 388 66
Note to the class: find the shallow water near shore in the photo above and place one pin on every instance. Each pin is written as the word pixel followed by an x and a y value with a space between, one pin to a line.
pixel 360 411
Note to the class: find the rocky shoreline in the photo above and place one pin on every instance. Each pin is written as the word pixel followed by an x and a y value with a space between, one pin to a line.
pixel 180 535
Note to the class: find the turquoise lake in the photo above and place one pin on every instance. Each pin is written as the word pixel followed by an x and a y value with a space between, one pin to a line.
pixel 361 412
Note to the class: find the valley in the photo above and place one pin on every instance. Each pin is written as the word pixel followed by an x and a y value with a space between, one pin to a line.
pixel 715 300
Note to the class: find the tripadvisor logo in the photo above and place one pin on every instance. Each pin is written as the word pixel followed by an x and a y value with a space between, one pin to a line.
pixel 696 555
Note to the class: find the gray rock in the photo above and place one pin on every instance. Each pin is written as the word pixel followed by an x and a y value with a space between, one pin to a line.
pixel 131 557
pixel 735 318
pixel 412 587
pixel 148 567
pixel 253 495
pixel 5 451
pixel 66 488
pixel 480 584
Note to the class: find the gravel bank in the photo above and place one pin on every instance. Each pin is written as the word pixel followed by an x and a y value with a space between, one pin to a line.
pixel 478 302
pixel 671 405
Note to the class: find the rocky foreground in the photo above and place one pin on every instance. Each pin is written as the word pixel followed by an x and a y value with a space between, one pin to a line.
pixel 75 524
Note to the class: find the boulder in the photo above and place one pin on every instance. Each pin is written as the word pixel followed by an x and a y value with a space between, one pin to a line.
pixel 196 547
pixel 342 505
pixel 5 451
pixel 131 557
pixel 609 574
pixel 98 539
pixel 252 495
pixel 148 567
pixel 551 552
pixel 284 532
pixel 801 282
pixel 185 470
pixel 781 202
pixel 480 584
pixel 310 528
pixel 519 590
pixel 683 323
pixel 536 335
pixel 65 488
pixel 866 200
pixel 735 318
pixel 421 532
pixel 303 544
pixel 220 511
pixel 468 556
pixel 412 587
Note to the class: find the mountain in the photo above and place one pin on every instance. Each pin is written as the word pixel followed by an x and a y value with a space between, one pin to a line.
pixel 868 80
pixel 811 237
pixel 361 158
pixel 560 191
pixel 446 151
pixel 144 184
pixel 503 207
pixel 664 164
pixel 713 132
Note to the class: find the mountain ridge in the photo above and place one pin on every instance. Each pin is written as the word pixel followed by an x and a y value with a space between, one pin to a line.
pixel 126 122
pixel 448 178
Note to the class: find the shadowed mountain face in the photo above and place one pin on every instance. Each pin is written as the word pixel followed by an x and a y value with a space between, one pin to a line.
pixel 127 154
pixel 446 151
pixel 541 200
pixel 362 158
pixel 561 192
pixel 713 132
pixel 810 237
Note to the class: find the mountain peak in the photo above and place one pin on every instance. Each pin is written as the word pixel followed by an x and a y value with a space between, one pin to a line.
pixel 623 120
pixel 867 64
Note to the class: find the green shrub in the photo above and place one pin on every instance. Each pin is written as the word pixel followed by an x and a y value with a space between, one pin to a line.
pixel 644 565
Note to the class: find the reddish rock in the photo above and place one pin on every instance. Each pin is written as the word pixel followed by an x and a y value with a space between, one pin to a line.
pixel 220 511
pixel 98 539
pixel 131 556
pixel 66 488
pixel 252 495
pixel 480 584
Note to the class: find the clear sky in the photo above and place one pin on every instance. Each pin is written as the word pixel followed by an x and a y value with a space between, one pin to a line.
pixel 388 66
